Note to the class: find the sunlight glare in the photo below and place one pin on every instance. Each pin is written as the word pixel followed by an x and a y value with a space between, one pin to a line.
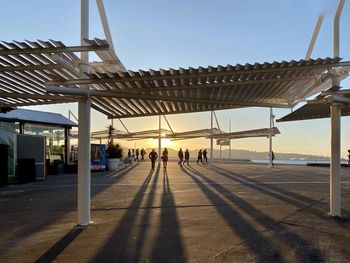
pixel 165 143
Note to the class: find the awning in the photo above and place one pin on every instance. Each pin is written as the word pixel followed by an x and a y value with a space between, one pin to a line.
pixel 37 117
pixel 265 132
pixel 313 111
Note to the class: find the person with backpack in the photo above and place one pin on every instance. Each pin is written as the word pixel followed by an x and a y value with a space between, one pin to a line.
pixel 205 155
pixel 165 158
pixel 187 157
pixel 181 156
pixel 137 154
pixel 153 156
pixel 143 153
pixel 200 156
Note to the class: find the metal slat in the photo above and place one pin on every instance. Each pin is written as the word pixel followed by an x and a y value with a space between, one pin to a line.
pixel 16 51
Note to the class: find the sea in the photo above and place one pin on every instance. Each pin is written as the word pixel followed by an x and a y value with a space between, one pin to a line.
pixel 296 162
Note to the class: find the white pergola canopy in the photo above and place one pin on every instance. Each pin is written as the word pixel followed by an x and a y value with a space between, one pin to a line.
pixel 264 132
pixel 46 72
pixel 320 106
pixel 37 73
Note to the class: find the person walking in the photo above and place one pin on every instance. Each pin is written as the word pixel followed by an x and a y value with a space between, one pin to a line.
pixel 273 158
pixel 143 153
pixel 181 156
pixel 205 155
pixel 129 153
pixel 137 154
pixel 200 156
pixel 133 155
pixel 153 156
pixel 187 157
pixel 165 158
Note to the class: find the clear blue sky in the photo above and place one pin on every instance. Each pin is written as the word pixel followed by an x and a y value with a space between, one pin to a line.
pixel 163 34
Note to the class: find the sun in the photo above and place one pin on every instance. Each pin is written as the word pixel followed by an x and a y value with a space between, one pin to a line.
pixel 165 143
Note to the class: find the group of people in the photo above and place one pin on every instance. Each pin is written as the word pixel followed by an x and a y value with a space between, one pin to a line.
pixel 154 156
pixel 184 157
pixel 134 154
pixel 201 155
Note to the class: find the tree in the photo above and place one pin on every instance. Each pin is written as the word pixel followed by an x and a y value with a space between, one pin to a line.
pixel 113 150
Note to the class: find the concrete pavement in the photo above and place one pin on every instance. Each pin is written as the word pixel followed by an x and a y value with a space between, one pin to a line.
pixel 197 213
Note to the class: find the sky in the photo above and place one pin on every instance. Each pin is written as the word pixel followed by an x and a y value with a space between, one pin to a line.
pixel 171 34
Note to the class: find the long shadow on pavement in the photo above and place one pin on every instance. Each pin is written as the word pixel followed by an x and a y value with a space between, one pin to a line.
pixel 263 249
pixel 116 249
pixel 268 189
pixel 303 249
pixel 168 246
pixel 145 221
pixel 56 208
pixel 60 245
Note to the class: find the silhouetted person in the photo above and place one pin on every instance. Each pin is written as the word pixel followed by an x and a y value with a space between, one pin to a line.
pixel 181 156
pixel 153 156
pixel 137 154
pixel 187 157
pixel 129 153
pixel 165 158
pixel 272 158
pixel 143 153
pixel 205 156
pixel 349 158
pixel 200 156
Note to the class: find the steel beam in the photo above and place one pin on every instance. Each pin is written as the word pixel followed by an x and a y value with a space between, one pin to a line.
pixel 192 75
pixel 36 96
pixel 82 48
pixel 30 67
pixel 126 95
pixel 314 36
pixel 336 31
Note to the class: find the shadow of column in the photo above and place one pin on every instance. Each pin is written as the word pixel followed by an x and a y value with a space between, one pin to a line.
pixel 278 193
pixel 117 249
pixel 168 246
pixel 145 221
pixel 304 250
pixel 263 249
pixel 60 245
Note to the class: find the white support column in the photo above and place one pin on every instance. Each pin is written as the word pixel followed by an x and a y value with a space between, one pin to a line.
pixel 229 152
pixel 270 139
pixel 335 185
pixel 220 153
pixel 84 108
pixel 314 36
pixel 160 139
pixel 336 30
pixel 211 139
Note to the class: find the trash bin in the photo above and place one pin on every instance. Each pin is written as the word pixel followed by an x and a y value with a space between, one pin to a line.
pixel 3 164
pixel 59 166
pixel 26 170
